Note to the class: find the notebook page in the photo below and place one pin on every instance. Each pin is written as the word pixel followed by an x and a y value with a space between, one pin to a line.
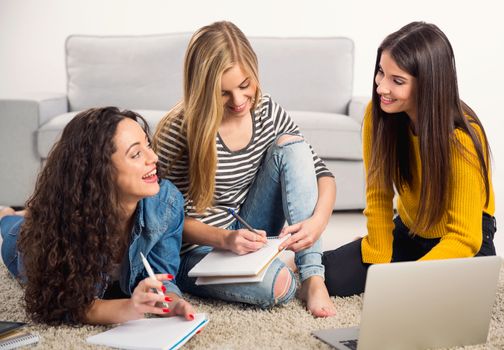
pixel 151 333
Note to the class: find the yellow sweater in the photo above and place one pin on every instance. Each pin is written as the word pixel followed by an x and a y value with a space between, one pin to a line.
pixel 460 228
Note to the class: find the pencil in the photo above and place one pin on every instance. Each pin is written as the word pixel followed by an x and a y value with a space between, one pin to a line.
pixel 240 219
pixel 244 223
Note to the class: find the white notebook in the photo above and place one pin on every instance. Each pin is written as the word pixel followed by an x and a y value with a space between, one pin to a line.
pixel 151 333
pixel 219 263
pixel 201 281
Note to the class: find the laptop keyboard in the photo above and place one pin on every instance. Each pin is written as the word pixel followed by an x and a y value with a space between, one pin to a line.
pixel 351 344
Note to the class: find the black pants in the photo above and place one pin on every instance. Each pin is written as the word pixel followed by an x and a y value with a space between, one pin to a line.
pixel 345 273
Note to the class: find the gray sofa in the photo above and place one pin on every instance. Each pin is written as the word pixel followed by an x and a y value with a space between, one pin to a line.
pixel 310 77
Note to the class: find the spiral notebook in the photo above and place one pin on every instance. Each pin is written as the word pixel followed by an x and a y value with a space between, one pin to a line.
pixel 223 266
pixel 12 335
pixel 19 340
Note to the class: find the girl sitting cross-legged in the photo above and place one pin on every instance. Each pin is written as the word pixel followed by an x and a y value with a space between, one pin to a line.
pixel 228 146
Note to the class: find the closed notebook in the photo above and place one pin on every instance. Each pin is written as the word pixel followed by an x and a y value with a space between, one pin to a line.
pixel 12 335
pixel 18 340
pixel 151 333
pixel 226 263
pixel 201 281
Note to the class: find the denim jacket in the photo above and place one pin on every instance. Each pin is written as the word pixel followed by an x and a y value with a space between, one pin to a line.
pixel 157 233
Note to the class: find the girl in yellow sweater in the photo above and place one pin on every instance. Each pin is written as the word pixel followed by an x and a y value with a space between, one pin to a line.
pixel 423 144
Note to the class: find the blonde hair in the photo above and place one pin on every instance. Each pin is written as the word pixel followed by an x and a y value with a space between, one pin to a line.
pixel 212 50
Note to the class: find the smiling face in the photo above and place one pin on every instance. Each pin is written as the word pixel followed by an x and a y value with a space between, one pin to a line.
pixel 397 88
pixel 135 163
pixel 238 91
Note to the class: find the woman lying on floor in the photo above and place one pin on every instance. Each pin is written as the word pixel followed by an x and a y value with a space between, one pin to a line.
pixel 97 204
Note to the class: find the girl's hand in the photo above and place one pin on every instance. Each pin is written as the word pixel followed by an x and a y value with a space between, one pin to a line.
pixel 243 241
pixel 180 307
pixel 303 234
pixel 144 299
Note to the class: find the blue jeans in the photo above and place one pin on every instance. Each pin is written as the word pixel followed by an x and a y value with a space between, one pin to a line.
pixel 9 229
pixel 347 273
pixel 285 188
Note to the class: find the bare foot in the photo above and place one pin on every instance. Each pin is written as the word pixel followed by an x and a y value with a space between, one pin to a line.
pixel 6 211
pixel 314 292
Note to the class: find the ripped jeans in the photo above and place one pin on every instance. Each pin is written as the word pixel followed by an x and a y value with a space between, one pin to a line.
pixel 285 188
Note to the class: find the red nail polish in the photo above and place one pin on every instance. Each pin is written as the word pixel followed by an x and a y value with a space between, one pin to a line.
pixel 168 299
pixel 170 276
pixel 191 317
pixel 163 288
pixel 198 332
pixel 166 310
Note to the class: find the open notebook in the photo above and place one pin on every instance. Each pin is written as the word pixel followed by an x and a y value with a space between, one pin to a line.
pixel 222 266
pixel 151 333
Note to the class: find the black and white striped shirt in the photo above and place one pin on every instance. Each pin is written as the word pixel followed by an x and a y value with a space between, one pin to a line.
pixel 235 170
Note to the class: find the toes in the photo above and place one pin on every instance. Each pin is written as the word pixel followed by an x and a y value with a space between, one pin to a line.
pixel 330 311
pixel 319 312
pixel 323 311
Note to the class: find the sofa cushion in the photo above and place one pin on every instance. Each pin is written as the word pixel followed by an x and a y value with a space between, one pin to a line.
pixel 145 72
pixel 307 74
pixel 133 72
pixel 51 131
pixel 333 136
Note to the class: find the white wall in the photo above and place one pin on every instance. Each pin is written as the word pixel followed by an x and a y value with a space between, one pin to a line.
pixel 32 34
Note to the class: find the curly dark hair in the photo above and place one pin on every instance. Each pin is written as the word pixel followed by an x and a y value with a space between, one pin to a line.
pixel 72 228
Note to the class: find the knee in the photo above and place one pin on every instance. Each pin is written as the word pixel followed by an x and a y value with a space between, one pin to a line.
pixel 283 283
pixel 286 138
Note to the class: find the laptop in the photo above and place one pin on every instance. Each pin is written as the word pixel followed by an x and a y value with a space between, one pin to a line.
pixel 419 305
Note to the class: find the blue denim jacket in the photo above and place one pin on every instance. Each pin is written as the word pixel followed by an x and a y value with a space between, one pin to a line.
pixel 157 233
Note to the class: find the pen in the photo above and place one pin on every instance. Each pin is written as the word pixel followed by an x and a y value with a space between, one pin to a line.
pixel 239 218
pixel 151 275
pixel 243 222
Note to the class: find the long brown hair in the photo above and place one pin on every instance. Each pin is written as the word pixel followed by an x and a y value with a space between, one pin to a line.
pixel 72 228
pixel 423 51
pixel 212 50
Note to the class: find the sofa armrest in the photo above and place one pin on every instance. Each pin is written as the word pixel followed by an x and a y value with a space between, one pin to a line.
pixel 34 107
pixel 357 107
pixel 20 118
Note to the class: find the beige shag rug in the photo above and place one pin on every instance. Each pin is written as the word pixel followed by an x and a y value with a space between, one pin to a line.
pixel 232 326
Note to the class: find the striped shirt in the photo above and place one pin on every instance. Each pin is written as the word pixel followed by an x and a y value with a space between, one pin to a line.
pixel 236 170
